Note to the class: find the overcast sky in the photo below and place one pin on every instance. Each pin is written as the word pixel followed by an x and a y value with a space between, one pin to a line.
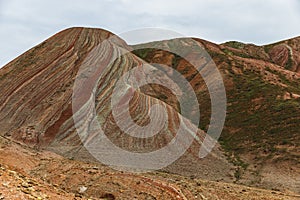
pixel 25 23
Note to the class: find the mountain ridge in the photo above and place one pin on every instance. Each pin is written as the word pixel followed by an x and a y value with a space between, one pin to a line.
pixel 45 91
pixel 261 94
pixel 37 87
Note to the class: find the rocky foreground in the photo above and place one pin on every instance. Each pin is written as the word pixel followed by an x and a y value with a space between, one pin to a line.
pixel 31 174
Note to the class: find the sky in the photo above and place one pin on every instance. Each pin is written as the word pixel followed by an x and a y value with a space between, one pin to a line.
pixel 26 23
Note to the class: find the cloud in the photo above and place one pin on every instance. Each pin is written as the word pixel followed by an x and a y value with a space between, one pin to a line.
pixel 24 24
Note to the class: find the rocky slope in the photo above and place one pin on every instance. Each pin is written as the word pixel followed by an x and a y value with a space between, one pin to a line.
pixel 261 133
pixel 30 174
pixel 37 107
pixel 261 127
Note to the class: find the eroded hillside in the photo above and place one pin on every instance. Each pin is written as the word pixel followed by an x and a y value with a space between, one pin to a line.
pixel 259 143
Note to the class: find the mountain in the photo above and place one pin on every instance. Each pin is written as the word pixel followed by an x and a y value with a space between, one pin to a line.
pixel 38 102
pixel 260 140
pixel 261 132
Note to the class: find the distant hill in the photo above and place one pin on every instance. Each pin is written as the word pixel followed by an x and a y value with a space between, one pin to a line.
pixel 261 133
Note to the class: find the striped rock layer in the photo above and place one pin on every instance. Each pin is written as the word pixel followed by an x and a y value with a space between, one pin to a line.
pixel 59 94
